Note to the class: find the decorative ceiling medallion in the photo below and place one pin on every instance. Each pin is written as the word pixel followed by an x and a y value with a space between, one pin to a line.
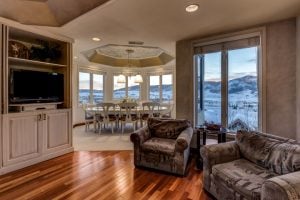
pixel 46 12
pixel 117 55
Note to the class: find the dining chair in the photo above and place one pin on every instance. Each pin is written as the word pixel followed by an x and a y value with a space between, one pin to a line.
pixel 150 110
pixel 128 114
pixel 108 116
pixel 167 113
pixel 88 116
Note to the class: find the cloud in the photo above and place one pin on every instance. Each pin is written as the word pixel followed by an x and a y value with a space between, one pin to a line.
pixel 252 60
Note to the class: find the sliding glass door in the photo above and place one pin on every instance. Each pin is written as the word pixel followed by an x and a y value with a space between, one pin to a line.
pixel 226 86
pixel 208 101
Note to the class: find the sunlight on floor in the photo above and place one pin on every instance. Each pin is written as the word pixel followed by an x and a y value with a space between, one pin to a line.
pixel 90 141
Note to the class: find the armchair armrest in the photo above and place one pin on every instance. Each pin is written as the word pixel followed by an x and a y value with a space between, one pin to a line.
pixel 219 153
pixel 282 187
pixel 138 137
pixel 184 139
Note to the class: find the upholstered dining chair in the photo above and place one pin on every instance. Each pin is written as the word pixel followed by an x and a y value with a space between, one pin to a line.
pixel 107 116
pixel 167 113
pixel 150 109
pixel 88 116
pixel 128 114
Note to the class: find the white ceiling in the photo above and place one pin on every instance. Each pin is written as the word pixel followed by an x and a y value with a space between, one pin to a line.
pixel 163 22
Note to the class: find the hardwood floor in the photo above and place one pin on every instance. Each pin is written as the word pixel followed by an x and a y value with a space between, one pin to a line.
pixel 98 175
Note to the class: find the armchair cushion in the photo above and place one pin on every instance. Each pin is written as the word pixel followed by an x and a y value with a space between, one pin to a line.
pixel 169 129
pixel 219 153
pixel 159 146
pixel 255 147
pixel 284 158
pixel 241 175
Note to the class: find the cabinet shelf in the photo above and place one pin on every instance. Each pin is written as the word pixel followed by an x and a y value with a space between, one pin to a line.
pixel 27 62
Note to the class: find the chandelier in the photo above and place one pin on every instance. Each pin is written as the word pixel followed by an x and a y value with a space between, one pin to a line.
pixel 122 78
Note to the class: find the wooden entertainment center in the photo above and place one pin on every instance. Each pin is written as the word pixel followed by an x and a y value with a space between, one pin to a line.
pixel 36 131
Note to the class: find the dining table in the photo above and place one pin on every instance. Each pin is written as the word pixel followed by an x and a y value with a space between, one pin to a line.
pixel 96 111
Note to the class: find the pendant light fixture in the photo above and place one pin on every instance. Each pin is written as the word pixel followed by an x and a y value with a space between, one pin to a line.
pixel 138 78
pixel 122 78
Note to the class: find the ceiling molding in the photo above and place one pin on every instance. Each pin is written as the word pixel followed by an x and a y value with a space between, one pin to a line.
pixel 117 56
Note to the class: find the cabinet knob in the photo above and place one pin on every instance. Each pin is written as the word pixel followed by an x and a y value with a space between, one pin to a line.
pixel 44 116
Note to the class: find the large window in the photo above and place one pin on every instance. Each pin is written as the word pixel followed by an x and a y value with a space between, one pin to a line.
pixel 133 88
pixel 84 88
pixel 161 87
pixel 128 89
pixel 227 90
pixel 90 88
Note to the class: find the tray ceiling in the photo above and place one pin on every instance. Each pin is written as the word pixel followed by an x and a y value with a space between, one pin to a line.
pixel 46 12
pixel 117 56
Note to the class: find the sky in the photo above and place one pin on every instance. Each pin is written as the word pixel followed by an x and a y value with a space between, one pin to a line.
pixel 241 62
pixel 84 82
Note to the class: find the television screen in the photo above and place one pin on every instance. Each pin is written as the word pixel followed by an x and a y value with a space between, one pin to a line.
pixel 28 86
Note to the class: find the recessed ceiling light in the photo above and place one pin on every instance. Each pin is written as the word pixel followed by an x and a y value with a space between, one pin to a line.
pixel 96 39
pixel 192 8
pixel 75 57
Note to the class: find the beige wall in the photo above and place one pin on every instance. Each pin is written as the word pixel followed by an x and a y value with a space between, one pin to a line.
pixel 184 81
pixel 280 79
pixel 298 78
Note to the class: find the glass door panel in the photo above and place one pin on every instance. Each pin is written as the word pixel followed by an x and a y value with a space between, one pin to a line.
pixel 212 87
pixel 208 89
pixel 243 89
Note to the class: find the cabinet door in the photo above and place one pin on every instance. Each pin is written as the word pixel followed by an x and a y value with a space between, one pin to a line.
pixel 57 130
pixel 21 137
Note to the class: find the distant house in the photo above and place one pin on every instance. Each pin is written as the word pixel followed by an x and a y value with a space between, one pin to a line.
pixel 238 124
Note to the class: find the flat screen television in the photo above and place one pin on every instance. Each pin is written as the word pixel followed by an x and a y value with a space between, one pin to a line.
pixel 27 86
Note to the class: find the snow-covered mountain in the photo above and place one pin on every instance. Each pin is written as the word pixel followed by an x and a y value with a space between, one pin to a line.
pixel 238 85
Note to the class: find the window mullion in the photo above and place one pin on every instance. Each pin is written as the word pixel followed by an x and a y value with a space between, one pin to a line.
pixel 224 88
pixel 126 86
pixel 91 88
pixel 160 88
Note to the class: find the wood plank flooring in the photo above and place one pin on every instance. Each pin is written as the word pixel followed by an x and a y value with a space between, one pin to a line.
pixel 98 175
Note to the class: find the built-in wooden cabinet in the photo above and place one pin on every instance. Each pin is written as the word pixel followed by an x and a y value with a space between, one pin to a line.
pixel 30 135
pixel 39 131
pixel 56 130
pixel 22 137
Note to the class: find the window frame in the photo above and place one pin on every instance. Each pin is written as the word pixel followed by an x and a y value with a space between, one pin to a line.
pixel 126 87
pixel 160 86
pixel 224 62
pixel 91 94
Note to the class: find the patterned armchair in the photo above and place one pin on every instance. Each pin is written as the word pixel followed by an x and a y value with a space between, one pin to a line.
pixel 164 145
pixel 255 166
